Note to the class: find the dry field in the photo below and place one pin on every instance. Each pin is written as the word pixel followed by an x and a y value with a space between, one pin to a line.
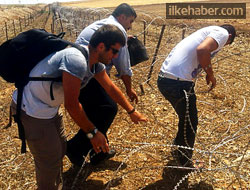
pixel 11 12
pixel 143 159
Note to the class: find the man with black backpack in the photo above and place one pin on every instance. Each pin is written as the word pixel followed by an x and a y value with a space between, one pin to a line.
pixel 39 111
pixel 94 98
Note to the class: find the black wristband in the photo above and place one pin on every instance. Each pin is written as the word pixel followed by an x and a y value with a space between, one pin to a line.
pixel 132 111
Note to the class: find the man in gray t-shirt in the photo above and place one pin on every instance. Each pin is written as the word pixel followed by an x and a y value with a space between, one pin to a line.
pixel 39 114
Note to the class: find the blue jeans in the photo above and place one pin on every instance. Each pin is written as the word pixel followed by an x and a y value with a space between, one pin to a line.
pixel 185 107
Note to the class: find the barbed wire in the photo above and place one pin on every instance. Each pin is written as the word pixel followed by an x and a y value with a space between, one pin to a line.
pixel 77 19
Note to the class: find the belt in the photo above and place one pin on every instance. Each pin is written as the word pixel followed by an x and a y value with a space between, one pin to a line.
pixel 169 76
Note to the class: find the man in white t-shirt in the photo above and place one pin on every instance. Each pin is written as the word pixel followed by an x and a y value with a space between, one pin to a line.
pixel 39 115
pixel 176 76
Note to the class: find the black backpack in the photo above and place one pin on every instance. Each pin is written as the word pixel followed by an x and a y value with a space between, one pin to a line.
pixel 19 55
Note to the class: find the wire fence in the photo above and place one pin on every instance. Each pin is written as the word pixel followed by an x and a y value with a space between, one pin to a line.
pixel 222 141
pixel 13 27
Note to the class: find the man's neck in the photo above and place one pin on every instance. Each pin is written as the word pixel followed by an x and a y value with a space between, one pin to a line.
pixel 93 57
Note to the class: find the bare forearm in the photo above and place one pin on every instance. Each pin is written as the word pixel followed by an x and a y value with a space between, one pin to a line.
pixel 204 54
pixel 80 118
pixel 71 86
pixel 129 90
pixel 116 94
pixel 205 61
pixel 127 82
pixel 113 91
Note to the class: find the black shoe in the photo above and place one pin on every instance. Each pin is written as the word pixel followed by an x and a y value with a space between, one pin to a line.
pixel 75 160
pixel 188 164
pixel 182 158
pixel 175 154
pixel 95 159
pixel 175 151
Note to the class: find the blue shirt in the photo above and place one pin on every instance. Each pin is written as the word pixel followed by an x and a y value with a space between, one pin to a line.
pixel 122 62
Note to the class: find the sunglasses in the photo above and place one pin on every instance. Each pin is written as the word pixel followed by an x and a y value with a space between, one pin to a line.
pixel 114 51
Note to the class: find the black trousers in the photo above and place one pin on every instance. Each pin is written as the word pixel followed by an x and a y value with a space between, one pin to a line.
pixel 185 107
pixel 101 111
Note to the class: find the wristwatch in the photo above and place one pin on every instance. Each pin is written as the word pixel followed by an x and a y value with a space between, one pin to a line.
pixel 92 133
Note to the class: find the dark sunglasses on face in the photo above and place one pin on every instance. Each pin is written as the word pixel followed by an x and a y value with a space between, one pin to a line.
pixel 114 51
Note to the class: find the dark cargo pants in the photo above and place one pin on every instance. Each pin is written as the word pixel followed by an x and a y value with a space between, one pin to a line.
pixel 47 144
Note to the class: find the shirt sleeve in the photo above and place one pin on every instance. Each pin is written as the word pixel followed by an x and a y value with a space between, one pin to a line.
pixel 99 67
pixel 220 36
pixel 85 35
pixel 74 63
pixel 122 63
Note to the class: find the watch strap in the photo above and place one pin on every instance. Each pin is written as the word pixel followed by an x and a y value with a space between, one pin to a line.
pixel 91 133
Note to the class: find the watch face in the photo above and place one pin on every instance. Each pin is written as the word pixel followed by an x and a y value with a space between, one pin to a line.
pixel 90 135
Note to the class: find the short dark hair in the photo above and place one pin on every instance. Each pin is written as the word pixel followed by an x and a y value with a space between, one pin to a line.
pixel 231 30
pixel 109 35
pixel 125 9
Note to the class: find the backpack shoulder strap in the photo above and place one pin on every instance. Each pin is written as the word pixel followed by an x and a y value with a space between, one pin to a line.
pixel 18 119
pixel 80 48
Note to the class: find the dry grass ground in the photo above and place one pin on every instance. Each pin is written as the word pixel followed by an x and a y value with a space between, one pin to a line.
pixel 14 12
pixel 144 160
pixel 110 3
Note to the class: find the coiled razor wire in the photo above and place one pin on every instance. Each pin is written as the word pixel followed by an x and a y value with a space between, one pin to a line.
pixel 147 145
pixel 210 153
pixel 80 171
pixel 223 142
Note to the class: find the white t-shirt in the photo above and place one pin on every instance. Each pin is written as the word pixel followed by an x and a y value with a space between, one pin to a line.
pixel 182 61
pixel 36 101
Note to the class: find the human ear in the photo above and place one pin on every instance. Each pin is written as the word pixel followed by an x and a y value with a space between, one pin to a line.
pixel 229 39
pixel 100 46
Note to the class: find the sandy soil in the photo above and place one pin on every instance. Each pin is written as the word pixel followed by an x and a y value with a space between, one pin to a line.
pixel 143 159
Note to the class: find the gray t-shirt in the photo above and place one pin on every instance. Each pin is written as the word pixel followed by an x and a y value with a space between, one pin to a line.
pixel 36 100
